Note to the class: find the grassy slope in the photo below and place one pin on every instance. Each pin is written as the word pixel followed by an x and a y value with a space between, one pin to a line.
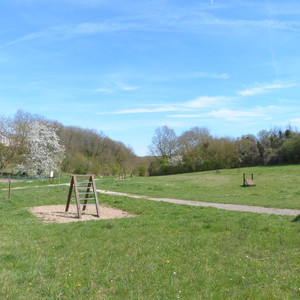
pixel 275 186
pixel 168 251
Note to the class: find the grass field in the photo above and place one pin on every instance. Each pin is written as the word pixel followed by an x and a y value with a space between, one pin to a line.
pixel 277 186
pixel 167 251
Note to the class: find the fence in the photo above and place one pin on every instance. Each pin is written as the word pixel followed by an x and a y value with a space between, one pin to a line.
pixel 20 177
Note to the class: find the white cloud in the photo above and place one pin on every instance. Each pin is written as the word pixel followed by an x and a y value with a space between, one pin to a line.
pixel 193 105
pixel 261 112
pixel 274 24
pixel 125 87
pixel 295 122
pixel 160 21
pixel 26 38
pixel 236 115
pixel 188 116
pixel 200 103
pixel 94 28
pixel 146 110
pixel 204 101
pixel 102 90
pixel 264 88
pixel 227 114
pixel 115 87
pixel 129 88
pixel 209 75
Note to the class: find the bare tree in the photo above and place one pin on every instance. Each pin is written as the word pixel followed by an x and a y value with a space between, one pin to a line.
pixel 194 138
pixel 164 142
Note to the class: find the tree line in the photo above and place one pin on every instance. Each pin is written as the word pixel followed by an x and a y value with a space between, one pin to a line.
pixel 85 150
pixel 26 141
pixel 197 150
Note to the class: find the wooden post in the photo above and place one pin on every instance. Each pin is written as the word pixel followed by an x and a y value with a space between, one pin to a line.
pixel 77 197
pixel 70 194
pixel 9 189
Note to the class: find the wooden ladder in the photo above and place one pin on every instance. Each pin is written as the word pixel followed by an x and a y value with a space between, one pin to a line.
pixel 84 191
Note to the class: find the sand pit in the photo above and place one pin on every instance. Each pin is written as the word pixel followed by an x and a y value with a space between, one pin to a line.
pixel 57 214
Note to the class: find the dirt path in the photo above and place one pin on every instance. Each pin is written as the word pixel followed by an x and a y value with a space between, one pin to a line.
pixel 234 207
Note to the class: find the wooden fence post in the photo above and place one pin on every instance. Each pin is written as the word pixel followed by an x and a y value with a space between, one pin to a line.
pixel 9 189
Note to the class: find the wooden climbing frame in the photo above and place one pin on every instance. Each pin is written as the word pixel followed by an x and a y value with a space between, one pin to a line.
pixel 83 189
pixel 248 181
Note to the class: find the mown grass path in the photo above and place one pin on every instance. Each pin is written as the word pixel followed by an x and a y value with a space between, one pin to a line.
pixel 233 207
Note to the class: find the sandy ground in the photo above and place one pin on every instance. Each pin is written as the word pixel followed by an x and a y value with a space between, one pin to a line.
pixel 57 214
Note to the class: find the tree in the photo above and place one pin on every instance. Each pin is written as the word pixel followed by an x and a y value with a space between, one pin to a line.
pixel 164 142
pixel 194 138
pixel 142 170
pixel 90 151
pixel 13 134
pixel 44 153
pixel 291 148
pixel 222 153
pixel 193 146
pixel 248 151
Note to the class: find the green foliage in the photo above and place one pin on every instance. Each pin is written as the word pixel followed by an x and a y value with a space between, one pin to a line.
pixel 115 169
pixel 87 151
pixel 292 149
pixel 200 151
pixel 142 170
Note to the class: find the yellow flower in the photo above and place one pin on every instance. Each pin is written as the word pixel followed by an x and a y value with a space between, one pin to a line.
pixel 168 261
pixel 79 285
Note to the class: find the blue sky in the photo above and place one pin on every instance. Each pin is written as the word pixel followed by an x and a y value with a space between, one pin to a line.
pixel 127 67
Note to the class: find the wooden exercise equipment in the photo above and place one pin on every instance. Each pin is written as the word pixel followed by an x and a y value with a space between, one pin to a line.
pixel 248 181
pixel 83 189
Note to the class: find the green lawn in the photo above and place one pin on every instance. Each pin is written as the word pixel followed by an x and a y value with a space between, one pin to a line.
pixel 167 251
pixel 277 186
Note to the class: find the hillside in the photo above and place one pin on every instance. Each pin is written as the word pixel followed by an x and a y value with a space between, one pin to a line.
pixel 276 186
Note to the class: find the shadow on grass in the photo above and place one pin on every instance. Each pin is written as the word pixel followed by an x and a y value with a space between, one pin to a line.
pixel 297 219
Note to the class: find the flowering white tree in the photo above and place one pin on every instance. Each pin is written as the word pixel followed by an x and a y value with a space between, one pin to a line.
pixel 44 154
